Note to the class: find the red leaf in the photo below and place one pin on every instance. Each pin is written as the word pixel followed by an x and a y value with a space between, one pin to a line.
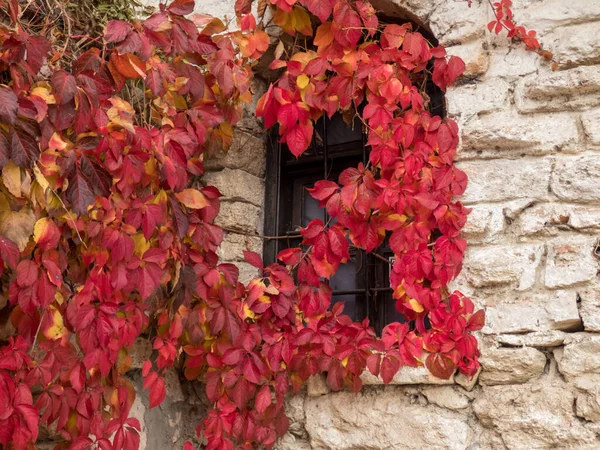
pixel 389 367
pixel 263 399
pixel 181 7
pixel 8 105
pixel 116 31
pixel 23 148
pixel 9 252
pixel 157 392
pixel 80 193
pixel 440 366
pixel 27 273
pixel 253 259
pixel 476 321
pixel 65 86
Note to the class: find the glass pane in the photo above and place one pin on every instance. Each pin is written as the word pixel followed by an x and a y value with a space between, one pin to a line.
pixel 354 305
pixel 347 277
pixel 310 208
pixel 338 132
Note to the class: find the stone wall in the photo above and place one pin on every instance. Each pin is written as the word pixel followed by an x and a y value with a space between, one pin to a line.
pixel 531 148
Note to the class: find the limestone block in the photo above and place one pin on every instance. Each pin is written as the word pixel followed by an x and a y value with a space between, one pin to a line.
pixel 477 99
pixel 546 15
pixel 405 376
pixel 317 385
pixel 580 356
pixel 542 311
pixel 512 62
pixel 539 339
pixel 587 406
pixel 378 419
pixel 248 153
pixel 591 126
pixel 484 224
pixel 577 178
pixel 506 179
pixel 475 55
pixel 570 261
pixel 241 216
pixel 510 365
pixel 549 218
pixel 502 265
pixel 446 397
pixel 534 416
pixel 233 246
pixel 291 442
pixel 577 44
pixel 247 272
pixel 589 308
pixel 216 8
pixel 140 352
pixel 507 133
pixel 565 90
pixel 451 27
pixel 237 185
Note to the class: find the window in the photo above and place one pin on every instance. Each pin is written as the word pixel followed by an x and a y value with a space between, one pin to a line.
pixel 363 283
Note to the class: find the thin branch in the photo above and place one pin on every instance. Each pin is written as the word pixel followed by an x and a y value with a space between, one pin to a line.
pixel 37 332
pixel 260 236
pixel 70 216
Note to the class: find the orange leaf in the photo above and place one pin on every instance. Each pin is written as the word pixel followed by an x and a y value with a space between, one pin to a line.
pixel 192 198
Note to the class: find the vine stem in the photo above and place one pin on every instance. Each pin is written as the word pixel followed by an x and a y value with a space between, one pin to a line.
pixel 37 332
pixel 70 216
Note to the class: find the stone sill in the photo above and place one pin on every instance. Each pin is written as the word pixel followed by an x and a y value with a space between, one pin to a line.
pixel 317 385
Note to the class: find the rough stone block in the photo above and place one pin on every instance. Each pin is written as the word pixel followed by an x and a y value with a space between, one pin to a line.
pixel 466 101
pixel 533 312
pixel 484 224
pixel 577 44
pixel 237 185
pixel 406 375
pixel 580 355
pixel 549 218
pixel 140 352
pixel 446 397
pixel 512 62
pixel 247 272
pixel 506 134
pixel 233 246
pixel 241 216
pixel 534 416
pixel 317 385
pixel 380 419
pixel 591 126
pixel 589 308
pixel 503 265
pixel 475 55
pixel 577 178
pixel 506 179
pixel 247 153
pixel 570 261
pixel 565 90
pixel 540 339
pixel 510 365
pixel 451 28
pixel 549 14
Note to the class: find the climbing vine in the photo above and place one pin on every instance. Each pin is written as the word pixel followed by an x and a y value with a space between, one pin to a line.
pixel 107 234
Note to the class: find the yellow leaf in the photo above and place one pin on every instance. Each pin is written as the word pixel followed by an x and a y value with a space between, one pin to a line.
pixel 192 198
pixel 302 81
pixel 248 313
pixel 57 329
pixel 44 91
pixel 141 245
pixel 41 179
pixel 279 50
pixel 416 306
pixel 16 225
pixel 11 177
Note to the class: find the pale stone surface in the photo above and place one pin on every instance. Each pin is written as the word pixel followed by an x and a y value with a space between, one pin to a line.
pixel 233 246
pixel 540 339
pixel 591 126
pixel 246 153
pixel 506 179
pixel 551 218
pixel 577 178
pixel 570 261
pixel 237 186
pixel 549 14
pixel 510 134
pixel 484 224
pixel 532 312
pixel 476 56
pixel 589 308
pixel 502 265
pixel 446 397
pixel 512 62
pixel 317 385
pixel 510 365
pixel 140 352
pixel 464 102
pixel 241 216
pixel 408 375
pixel 383 419
pixel 247 272
pixel 536 415
pixel 559 91
pixel 577 44
pixel 580 356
